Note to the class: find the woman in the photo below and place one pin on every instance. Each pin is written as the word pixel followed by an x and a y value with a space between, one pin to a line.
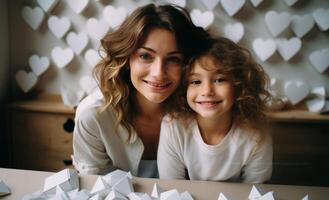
pixel 137 77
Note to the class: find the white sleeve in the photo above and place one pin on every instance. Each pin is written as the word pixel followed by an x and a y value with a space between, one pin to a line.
pixel 170 159
pixel 259 167
pixel 89 154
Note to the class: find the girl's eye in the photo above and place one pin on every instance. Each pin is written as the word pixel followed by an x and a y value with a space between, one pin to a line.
pixel 219 80
pixel 195 82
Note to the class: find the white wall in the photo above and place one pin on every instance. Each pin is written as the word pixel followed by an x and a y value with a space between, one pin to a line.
pixel 25 41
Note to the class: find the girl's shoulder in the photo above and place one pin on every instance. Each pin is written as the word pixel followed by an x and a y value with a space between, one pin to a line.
pixel 246 134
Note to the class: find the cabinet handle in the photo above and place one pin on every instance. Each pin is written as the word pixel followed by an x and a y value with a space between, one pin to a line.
pixel 67 162
pixel 68 126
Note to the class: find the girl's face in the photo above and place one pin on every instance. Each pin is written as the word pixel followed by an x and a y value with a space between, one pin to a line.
pixel 155 68
pixel 210 93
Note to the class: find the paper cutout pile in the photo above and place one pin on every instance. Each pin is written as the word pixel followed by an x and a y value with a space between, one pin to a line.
pixel 116 185
pixel 4 189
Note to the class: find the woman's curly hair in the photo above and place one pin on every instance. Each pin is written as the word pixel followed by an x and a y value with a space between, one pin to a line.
pixel 248 78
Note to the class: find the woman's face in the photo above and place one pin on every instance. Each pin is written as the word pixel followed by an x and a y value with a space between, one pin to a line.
pixel 155 67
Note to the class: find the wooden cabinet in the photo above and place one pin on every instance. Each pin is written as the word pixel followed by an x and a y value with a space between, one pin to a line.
pixel 40 134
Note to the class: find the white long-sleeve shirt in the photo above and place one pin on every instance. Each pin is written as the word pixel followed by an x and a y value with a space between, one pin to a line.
pixel 237 157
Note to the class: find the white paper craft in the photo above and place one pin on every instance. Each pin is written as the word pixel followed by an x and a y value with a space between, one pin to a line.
pixel 181 3
pixel 79 195
pixel 170 195
pixel 321 17
pixel 33 17
pixel 186 196
pixel 290 2
pixel 202 19
pixel 67 179
pixel 114 16
pixel 59 26
pixel 255 193
pixel 101 188
pixel 47 5
pixel 306 197
pixel 234 32
pixel 296 91
pixel 301 25
pixel 223 197
pixel 267 196
pixel 288 48
pixel 4 189
pixel 210 4
pixel 62 57
pixel 115 176
pixel 264 49
pixel 78 5
pixel 61 194
pixel 77 41
pixel 256 3
pixel 320 59
pixel 26 81
pixel 114 195
pixel 138 196
pixel 38 64
pixel 38 195
pixel 156 191
pixel 92 57
pixel 232 6
pixel 124 186
pixel 97 28
pixel 277 22
pixel 96 197
pixel 317 100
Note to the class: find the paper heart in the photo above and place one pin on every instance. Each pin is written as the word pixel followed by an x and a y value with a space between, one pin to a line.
pixel 71 97
pixel 326 107
pixel 26 81
pixel 210 4
pixel 97 29
pixel 181 3
pixel 78 5
pixel 114 16
pixel 317 99
pixel 33 17
pixel 275 87
pixel 59 26
pixel 321 17
pixel 301 25
pixel 295 91
pixel 204 19
pixel 256 3
pixel 320 59
pixel 47 5
pixel 290 2
pixel 277 22
pixel 234 32
pixel 232 6
pixel 77 42
pixel 38 65
pixel 264 49
pixel 88 84
pixel 288 48
pixel 62 57
pixel 92 57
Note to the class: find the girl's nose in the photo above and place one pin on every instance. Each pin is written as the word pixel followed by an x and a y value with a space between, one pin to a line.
pixel 207 89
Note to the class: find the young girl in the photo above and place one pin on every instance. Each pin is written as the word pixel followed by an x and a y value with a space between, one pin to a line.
pixel 142 68
pixel 219 135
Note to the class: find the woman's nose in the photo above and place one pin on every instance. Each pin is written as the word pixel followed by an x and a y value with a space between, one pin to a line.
pixel 157 68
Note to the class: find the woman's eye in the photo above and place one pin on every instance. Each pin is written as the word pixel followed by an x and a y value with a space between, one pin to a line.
pixel 145 57
pixel 175 60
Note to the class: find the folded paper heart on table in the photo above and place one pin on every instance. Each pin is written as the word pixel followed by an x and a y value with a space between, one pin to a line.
pixel 4 189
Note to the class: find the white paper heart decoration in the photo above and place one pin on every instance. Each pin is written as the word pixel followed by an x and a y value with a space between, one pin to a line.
pixel 277 103
pixel 288 48
pixel 71 97
pixel 181 3
pixel 204 19
pixel 92 57
pixel 256 3
pixel 62 57
pixel 290 2
pixel 326 107
pixel 232 6
pixel 78 5
pixel 320 59
pixel 264 49
pixel 33 17
pixel 88 84
pixel 277 22
pixel 210 4
pixel 38 65
pixel 321 17
pixel 47 5
pixel 317 99
pixel 59 26
pixel 97 28
pixel 301 25
pixel 26 81
pixel 114 16
pixel 296 91
pixel 77 42
pixel 234 32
